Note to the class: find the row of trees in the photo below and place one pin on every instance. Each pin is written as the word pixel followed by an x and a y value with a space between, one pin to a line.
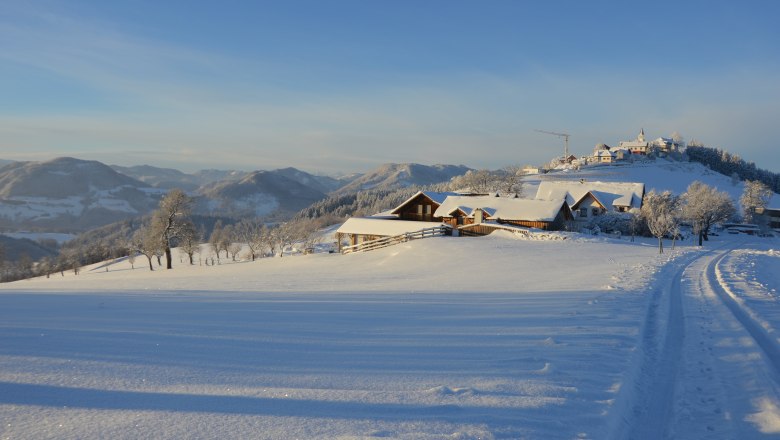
pixel 701 206
pixel 170 226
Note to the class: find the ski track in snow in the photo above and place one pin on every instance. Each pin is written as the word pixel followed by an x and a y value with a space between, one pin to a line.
pixel 709 364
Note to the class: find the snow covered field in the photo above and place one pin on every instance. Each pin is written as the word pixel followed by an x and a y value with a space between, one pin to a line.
pixel 442 338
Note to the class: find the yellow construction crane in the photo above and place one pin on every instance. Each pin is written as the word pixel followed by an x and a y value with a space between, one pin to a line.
pixel 565 137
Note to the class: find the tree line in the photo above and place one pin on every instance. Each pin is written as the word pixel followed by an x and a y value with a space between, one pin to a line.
pixel 731 165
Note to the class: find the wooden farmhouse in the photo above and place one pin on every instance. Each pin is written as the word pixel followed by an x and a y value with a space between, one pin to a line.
pixel 590 199
pixel 550 215
pixel 469 214
pixel 421 206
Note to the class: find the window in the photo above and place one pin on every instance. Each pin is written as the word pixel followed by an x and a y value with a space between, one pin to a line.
pixel 583 212
pixel 419 209
pixel 595 211
pixel 428 209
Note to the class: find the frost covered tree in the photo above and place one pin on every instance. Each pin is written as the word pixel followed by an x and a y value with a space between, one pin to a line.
pixel 307 232
pixel 189 241
pixel 704 206
pixel 169 219
pixel 217 238
pixel 146 242
pixel 283 236
pixel 756 195
pixel 660 212
pixel 228 238
pixel 250 232
pixel 507 181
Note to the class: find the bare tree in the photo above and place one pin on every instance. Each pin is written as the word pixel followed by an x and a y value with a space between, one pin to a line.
pixel 169 219
pixel 283 235
pixel 146 242
pixel 704 206
pixel 512 182
pixel 216 239
pixel 756 195
pixel 189 241
pixel 249 232
pixel 307 232
pixel 131 258
pixel 268 240
pixel 227 239
pixel 234 248
pixel 506 181
pixel 659 211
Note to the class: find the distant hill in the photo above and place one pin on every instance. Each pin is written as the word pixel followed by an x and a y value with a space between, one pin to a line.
pixel 169 178
pixel 67 194
pixel 323 184
pixel 208 176
pixel 402 175
pixel 261 193
pixel 61 177
pixel 14 248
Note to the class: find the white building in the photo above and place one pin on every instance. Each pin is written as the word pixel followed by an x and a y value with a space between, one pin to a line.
pixel 638 145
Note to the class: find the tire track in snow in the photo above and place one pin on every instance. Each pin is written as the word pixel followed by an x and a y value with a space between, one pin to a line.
pixel 743 314
pixel 648 410
pixel 653 405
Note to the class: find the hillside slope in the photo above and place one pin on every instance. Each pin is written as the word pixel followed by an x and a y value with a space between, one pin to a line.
pixel 401 175
pixel 661 175
pixel 260 193
pixel 67 194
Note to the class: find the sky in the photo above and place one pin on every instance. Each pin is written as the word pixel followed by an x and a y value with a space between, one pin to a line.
pixel 343 86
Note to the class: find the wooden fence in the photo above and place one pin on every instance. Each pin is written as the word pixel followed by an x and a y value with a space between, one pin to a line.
pixel 396 239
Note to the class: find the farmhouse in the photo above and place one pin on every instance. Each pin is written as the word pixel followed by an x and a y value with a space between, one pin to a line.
pixel 589 199
pixel 604 156
pixel 421 206
pixel 447 212
pixel 468 210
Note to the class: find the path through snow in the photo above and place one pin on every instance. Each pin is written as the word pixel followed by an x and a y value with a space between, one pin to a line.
pixel 710 361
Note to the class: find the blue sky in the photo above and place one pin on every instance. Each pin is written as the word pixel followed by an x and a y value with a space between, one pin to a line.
pixel 330 86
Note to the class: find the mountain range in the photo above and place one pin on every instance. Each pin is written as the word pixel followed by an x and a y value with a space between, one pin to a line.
pixel 73 195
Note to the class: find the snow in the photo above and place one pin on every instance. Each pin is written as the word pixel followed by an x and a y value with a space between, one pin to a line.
pixel 608 193
pixel 501 207
pixel 461 338
pixel 382 226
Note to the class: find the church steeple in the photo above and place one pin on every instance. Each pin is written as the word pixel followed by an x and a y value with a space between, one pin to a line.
pixel 641 137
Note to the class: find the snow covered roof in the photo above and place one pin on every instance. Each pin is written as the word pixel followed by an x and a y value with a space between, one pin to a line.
pixel 607 193
pixel 633 144
pixel 381 226
pixel 502 207
pixel 604 153
pixel 437 197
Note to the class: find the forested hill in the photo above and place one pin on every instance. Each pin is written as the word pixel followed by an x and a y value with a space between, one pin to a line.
pixel 732 165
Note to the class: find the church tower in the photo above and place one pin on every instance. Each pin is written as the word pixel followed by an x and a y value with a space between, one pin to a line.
pixel 641 137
